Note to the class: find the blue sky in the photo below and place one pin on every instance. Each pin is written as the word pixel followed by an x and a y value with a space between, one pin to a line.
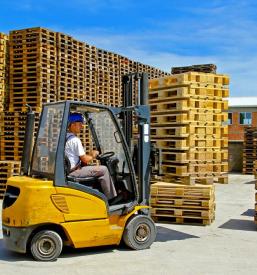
pixel 159 33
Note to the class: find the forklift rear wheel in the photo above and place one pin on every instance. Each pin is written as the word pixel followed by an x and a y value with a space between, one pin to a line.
pixel 46 245
pixel 140 232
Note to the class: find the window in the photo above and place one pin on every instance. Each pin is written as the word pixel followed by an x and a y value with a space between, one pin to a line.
pixel 245 118
pixel 108 137
pixel 45 147
pixel 230 115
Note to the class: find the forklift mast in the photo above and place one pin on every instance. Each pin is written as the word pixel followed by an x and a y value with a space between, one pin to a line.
pixel 142 150
pixel 128 87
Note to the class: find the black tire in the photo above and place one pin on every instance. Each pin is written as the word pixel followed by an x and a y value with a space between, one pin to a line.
pixel 46 245
pixel 140 232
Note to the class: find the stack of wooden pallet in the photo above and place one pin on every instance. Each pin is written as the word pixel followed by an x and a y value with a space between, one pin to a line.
pixel 3 69
pixel 46 66
pixel 255 176
pixel 255 169
pixel 177 203
pixel 7 169
pixel 91 76
pixel 33 76
pixel 187 115
pixel 71 68
pixel 250 149
pixel 12 125
pixel 108 78
pixel 33 68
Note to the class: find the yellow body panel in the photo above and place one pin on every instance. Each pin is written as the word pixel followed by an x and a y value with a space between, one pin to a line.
pixel 84 217
pixel 81 205
pixel 34 204
pixel 98 232
pixel 93 233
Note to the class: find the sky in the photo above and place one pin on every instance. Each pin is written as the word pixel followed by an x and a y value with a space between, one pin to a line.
pixel 163 34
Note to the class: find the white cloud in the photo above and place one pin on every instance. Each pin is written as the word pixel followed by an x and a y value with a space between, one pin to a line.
pixel 223 33
pixel 241 68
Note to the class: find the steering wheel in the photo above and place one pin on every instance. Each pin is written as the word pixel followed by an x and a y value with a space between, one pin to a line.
pixel 105 156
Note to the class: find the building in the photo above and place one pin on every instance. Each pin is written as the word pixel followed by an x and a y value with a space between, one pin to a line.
pixel 242 113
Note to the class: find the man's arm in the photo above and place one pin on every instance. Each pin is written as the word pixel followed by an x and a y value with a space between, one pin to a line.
pixel 87 158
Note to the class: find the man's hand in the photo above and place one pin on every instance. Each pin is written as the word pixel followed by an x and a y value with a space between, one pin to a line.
pixel 94 153
pixel 86 159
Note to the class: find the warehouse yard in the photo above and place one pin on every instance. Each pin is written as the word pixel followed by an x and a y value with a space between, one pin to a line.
pixel 188 123
pixel 227 246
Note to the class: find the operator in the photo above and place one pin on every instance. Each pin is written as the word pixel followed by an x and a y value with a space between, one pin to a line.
pixel 79 160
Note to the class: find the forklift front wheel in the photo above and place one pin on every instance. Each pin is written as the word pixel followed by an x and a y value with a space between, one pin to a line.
pixel 46 245
pixel 140 232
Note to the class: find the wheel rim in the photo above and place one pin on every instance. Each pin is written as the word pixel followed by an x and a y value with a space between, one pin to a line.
pixel 46 246
pixel 142 233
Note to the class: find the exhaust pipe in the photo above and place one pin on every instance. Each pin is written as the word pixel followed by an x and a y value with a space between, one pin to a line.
pixel 28 141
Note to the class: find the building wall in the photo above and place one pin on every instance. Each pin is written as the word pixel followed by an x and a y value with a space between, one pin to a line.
pixel 235 130
pixel 235 156
pixel 236 137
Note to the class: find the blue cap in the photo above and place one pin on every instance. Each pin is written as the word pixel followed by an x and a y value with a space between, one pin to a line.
pixel 76 117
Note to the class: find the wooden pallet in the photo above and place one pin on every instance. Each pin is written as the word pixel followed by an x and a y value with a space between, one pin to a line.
pixel 186 130
pixel 205 179
pixel 195 156
pixel 190 142
pixel 188 91
pixel 204 68
pixel 187 104
pixel 197 119
pixel 202 169
pixel 186 191
pixel 167 201
pixel 188 78
pixel 183 212
pixel 183 220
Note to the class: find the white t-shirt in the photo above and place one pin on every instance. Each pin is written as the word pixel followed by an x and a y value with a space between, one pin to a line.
pixel 73 149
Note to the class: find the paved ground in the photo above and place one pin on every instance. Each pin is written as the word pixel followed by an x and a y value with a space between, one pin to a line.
pixel 227 246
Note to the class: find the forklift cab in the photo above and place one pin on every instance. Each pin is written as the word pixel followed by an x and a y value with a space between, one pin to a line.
pixel 102 131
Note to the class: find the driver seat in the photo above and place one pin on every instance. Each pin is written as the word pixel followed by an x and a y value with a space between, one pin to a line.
pixel 87 181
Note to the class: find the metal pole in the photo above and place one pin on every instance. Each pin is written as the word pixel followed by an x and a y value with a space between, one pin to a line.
pixel 28 141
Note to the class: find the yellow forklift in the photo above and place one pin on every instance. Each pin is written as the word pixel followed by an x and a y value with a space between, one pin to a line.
pixel 45 208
